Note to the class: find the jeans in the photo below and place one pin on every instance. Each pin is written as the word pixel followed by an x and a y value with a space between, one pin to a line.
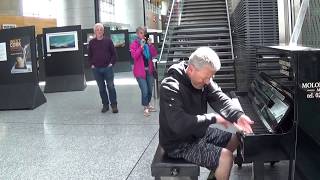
pixel 105 74
pixel 146 86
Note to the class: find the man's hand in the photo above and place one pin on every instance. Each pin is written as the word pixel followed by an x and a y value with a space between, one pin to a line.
pixel 244 124
pixel 92 66
pixel 222 121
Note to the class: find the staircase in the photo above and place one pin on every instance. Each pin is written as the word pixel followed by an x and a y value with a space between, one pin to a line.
pixel 202 23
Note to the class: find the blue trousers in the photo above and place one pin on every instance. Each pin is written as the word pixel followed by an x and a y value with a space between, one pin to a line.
pixel 103 76
pixel 146 86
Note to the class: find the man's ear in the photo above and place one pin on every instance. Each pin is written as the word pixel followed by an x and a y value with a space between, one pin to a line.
pixel 191 68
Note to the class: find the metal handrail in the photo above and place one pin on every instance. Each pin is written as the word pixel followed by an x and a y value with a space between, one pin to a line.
pixel 167 28
pixel 229 24
pixel 298 26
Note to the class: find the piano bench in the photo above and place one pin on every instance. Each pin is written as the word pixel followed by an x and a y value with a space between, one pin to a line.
pixel 163 166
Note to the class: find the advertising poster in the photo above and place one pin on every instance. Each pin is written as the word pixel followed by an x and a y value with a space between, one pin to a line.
pixel 3 51
pixel 20 55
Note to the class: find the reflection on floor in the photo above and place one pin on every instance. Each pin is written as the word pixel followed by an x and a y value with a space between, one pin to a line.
pixel 68 138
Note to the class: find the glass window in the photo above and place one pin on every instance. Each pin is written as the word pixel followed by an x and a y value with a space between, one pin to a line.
pixel 107 11
pixel 39 8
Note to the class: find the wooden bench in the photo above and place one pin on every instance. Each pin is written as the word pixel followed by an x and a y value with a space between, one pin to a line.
pixel 164 166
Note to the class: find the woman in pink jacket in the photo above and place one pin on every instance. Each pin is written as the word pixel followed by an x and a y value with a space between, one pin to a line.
pixel 143 52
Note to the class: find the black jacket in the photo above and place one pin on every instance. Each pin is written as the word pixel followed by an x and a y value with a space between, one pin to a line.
pixel 183 108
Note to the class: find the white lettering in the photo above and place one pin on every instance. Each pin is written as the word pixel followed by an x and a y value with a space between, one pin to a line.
pixel 311 85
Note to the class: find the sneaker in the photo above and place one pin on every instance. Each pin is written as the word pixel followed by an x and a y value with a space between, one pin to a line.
pixel 152 109
pixel 146 112
pixel 105 109
pixel 114 109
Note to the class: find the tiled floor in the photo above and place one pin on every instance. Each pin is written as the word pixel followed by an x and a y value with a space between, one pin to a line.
pixel 68 138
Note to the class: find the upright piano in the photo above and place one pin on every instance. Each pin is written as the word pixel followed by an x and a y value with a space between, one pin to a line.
pixel 270 106
pixel 286 115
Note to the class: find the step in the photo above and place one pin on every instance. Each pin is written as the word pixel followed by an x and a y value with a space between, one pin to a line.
pixel 204 10
pixel 202 18
pixel 192 36
pixel 187 1
pixel 193 48
pixel 201 30
pixel 194 3
pixel 206 25
pixel 200 14
pixel 212 7
pixel 224 76
pixel 217 17
pixel 202 42
pixel 184 55
pixel 200 22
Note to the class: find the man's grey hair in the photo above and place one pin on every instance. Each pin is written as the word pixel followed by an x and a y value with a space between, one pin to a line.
pixel 205 56
pixel 97 25
pixel 141 28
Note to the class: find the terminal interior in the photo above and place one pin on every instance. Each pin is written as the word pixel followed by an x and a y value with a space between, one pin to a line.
pixel 51 125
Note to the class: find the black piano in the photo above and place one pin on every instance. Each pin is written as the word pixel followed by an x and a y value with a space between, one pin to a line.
pixel 270 105
pixel 286 114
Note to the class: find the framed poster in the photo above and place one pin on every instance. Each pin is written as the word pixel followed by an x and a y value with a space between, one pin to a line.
pixel 62 41
pixel 3 51
pixel 132 37
pixel 20 55
pixel 118 40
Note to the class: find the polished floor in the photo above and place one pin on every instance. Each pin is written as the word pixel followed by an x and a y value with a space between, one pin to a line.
pixel 68 138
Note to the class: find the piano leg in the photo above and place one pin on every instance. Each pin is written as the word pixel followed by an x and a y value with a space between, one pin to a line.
pixel 258 170
pixel 291 171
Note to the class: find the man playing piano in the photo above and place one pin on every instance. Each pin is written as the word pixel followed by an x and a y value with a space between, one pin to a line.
pixel 184 121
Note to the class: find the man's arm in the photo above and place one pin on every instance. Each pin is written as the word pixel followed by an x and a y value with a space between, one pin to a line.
pixel 90 53
pixel 171 106
pixel 222 104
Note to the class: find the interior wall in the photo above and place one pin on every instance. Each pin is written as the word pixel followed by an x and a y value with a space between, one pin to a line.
pixel 76 12
pixel 11 8
pixel 20 21
pixel 129 12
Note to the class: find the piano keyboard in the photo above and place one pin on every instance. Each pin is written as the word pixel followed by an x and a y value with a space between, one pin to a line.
pixel 244 103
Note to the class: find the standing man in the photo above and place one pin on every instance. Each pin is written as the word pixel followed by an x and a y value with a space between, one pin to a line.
pixel 102 57
pixel 184 121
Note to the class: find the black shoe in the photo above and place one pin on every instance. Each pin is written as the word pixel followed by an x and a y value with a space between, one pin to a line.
pixel 105 109
pixel 114 109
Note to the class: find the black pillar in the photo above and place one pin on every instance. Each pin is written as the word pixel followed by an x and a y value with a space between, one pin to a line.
pixel 96 11
pixel 144 14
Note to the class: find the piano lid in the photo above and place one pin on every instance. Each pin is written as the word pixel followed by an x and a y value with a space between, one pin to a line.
pixel 294 48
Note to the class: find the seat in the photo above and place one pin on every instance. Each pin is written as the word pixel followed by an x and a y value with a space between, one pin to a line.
pixel 164 166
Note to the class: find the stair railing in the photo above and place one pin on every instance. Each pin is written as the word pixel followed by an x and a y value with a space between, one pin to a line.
pixel 231 43
pixel 176 10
